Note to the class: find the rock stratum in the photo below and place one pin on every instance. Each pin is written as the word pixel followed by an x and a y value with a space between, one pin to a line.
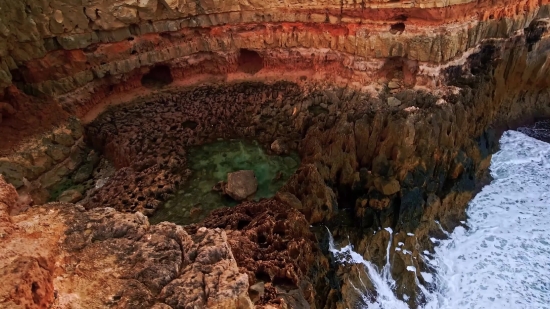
pixel 395 108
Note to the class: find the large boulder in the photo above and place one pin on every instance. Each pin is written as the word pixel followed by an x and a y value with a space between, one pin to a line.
pixel 241 184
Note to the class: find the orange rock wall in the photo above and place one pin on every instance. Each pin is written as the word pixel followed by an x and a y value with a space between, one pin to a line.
pixel 65 48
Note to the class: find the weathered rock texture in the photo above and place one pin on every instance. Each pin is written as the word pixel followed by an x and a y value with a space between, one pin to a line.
pixel 272 243
pixel 60 256
pixel 395 108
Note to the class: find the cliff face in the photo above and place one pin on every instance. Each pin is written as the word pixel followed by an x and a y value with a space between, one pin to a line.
pixel 74 52
pixel 395 108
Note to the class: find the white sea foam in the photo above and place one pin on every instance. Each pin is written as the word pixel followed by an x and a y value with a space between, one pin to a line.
pixel 503 259
pixel 381 280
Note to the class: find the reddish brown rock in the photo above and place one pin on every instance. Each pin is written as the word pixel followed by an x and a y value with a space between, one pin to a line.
pixel 6 110
pixel 30 281
pixel 103 258
pixel 241 184
pixel 271 242
pixel 8 200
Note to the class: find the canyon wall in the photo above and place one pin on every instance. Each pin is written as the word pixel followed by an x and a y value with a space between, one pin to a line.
pixel 395 108
pixel 76 53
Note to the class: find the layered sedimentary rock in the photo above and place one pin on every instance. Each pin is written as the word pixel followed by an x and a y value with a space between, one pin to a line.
pixel 395 108
pixel 64 49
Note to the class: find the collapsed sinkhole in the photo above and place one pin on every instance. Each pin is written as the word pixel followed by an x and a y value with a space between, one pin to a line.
pixel 164 149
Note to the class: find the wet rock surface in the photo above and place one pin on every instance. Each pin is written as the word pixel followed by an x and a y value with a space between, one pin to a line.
pixel 540 130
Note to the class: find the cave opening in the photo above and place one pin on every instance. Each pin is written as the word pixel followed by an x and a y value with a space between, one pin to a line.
pixel 250 61
pixel 158 76
pixel 397 28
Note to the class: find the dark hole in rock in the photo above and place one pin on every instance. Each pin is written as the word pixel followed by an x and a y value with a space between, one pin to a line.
pixel 34 290
pixel 294 252
pixel 397 28
pixel 91 48
pixel 263 276
pixel 250 61
pixel 279 229
pixel 242 224
pixel 16 76
pixel 402 17
pixel 284 282
pixel 481 62
pixel 317 110
pixel 534 32
pixel 159 76
pixel 261 239
pixel 189 124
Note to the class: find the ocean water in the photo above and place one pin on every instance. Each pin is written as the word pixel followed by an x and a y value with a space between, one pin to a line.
pixel 502 258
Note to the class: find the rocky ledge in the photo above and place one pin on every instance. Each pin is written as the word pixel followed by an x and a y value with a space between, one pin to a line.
pixel 62 256
pixel 394 108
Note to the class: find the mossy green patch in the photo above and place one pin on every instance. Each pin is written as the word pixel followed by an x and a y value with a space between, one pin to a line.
pixel 210 164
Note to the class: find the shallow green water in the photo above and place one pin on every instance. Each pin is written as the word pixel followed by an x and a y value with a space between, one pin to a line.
pixel 210 164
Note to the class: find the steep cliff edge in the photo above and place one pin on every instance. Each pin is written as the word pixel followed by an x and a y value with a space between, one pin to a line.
pixel 394 107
